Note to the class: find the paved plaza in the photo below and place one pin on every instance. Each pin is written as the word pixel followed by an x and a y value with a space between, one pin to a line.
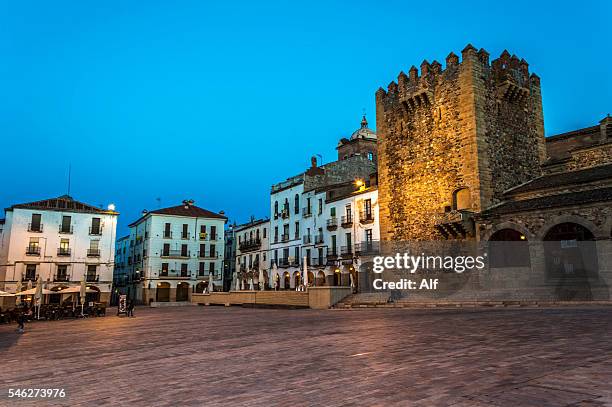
pixel 216 356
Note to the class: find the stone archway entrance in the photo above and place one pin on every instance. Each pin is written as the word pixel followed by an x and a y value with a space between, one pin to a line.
pixel 571 259
pixel 182 292
pixel 286 280
pixel 320 278
pixel 162 292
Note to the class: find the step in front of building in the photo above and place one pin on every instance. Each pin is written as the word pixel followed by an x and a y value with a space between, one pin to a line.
pixel 353 303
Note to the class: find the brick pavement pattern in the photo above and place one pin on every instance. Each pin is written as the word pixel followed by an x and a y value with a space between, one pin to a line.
pixel 215 356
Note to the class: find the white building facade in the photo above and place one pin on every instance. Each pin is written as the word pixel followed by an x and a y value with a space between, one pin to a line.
pixel 252 257
pixel 176 251
pixel 62 241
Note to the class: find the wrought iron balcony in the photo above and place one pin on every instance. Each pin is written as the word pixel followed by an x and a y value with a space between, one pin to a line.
pixel 93 252
pixel 332 223
pixel 284 237
pixel 368 248
pixel 95 231
pixel 283 262
pixel 29 277
pixel 65 229
pixel 167 234
pixel 285 213
pixel 366 217
pixel 317 261
pixel 307 239
pixel 38 228
pixel 92 278
pixel 346 221
pixel 346 251
pixel 207 254
pixel 33 250
pixel 306 212
pixel 176 253
pixel 251 244
pixel 319 239
pixel 63 251
pixel 185 236
pixel 332 253
pixel 61 278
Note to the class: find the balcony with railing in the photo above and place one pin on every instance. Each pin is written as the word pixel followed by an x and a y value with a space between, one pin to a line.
pixel 65 229
pixel 32 250
pixel 35 227
pixel 332 253
pixel 317 262
pixel 285 237
pixel 61 278
pixel 250 244
pixel 283 262
pixel 208 254
pixel 307 239
pixel 366 217
pixel 29 277
pixel 181 274
pixel 185 236
pixel 167 234
pixel 175 253
pixel 93 252
pixel 346 221
pixel 332 223
pixel 306 212
pixel 346 251
pixel 319 239
pixel 92 278
pixel 95 230
pixel 367 248
pixel 63 251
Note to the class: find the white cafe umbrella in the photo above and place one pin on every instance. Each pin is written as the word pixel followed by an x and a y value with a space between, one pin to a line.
pixel 82 293
pixel 305 272
pixel 262 281
pixel 17 289
pixel 5 294
pixel 211 288
pixel 250 273
pixel 38 295
pixel 237 286
pixel 274 274
pixel 29 284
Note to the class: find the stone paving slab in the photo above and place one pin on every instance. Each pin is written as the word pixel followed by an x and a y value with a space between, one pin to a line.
pixel 218 356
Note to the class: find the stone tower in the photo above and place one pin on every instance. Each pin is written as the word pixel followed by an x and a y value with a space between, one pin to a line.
pixel 451 141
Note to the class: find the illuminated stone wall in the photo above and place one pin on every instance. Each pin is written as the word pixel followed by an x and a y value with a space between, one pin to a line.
pixel 474 125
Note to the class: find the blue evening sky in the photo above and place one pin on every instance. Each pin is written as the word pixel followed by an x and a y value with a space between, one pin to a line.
pixel 217 101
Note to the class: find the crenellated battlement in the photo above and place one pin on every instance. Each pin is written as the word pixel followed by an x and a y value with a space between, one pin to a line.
pixel 508 72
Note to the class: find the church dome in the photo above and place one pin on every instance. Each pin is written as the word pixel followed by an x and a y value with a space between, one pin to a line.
pixel 364 132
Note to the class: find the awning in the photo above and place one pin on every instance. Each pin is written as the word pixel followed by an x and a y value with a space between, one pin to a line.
pixel 71 290
pixel 32 291
pixel 5 294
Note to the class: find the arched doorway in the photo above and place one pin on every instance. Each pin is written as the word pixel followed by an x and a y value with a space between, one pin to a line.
pixel 311 279
pixel 320 278
pixel 297 279
pixel 286 280
pixel 162 293
pixel 571 258
pixel 337 277
pixel 200 287
pixel 509 248
pixel 182 292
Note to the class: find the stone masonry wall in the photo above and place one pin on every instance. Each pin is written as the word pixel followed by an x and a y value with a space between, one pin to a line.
pixel 471 125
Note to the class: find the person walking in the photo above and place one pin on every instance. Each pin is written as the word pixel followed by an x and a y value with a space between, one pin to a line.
pixel 21 319
pixel 130 308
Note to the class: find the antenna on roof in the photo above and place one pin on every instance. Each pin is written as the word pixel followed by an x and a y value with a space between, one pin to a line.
pixel 158 202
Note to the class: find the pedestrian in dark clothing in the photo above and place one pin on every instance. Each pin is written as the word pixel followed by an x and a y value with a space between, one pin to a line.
pixel 130 308
pixel 21 319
